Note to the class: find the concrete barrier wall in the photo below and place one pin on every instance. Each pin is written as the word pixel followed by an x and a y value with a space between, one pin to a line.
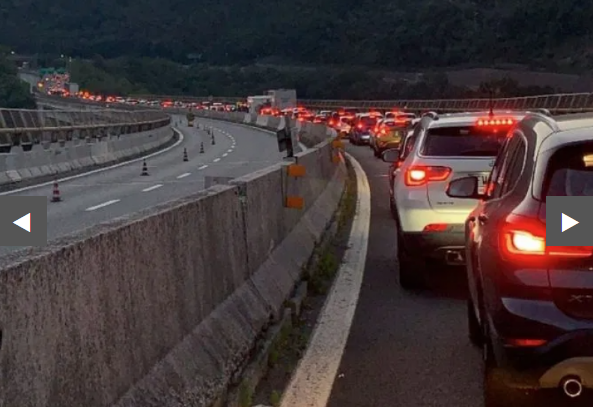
pixel 47 159
pixel 160 308
pixel 35 145
pixel 308 133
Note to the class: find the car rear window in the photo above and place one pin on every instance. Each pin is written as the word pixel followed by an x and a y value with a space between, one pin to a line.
pixel 463 141
pixel 570 172
pixel 368 121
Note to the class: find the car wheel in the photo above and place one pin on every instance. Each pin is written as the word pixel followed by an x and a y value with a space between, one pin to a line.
pixel 377 153
pixel 473 326
pixel 410 270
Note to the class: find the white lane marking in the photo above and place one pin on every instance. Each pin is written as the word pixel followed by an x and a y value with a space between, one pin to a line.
pixel 202 167
pixel 84 174
pixel 152 188
pixel 312 381
pixel 230 150
pixel 217 160
pixel 104 204
pixel 225 154
pixel 187 174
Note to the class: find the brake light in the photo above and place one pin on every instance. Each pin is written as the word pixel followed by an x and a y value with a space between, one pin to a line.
pixel 331 123
pixel 435 227
pixel 420 175
pixel 383 131
pixel 360 126
pixel 492 121
pixel 525 237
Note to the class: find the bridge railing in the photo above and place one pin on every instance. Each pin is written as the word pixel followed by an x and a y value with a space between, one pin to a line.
pixel 28 127
pixel 556 103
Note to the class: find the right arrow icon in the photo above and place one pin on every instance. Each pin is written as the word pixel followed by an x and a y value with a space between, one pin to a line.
pixel 568 222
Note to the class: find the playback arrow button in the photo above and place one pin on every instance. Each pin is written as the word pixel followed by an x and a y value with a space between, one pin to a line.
pixel 568 222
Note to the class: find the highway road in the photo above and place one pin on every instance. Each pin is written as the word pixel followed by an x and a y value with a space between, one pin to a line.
pixel 119 191
pixel 404 349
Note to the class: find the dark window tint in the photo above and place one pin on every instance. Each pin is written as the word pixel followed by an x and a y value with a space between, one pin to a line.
pixel 463 141
pixel 515 167
pixel 368 121
pixel 570 172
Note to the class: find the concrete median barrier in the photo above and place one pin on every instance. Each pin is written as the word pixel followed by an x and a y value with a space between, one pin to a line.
pixel 36 145
pixel 309 134
pixel 161 308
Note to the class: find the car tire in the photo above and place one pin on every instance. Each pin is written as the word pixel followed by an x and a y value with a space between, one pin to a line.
pixel 377 153
pixel 410 270
pixel 473 326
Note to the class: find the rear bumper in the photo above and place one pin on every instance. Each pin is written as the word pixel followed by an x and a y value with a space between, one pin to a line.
pixel 567 352
pixel 447 246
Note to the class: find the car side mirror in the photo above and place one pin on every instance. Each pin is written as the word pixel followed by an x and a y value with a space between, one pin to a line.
pixel 464 188
pixel 391 155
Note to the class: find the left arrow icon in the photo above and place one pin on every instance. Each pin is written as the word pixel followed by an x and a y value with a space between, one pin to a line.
pixel 24 222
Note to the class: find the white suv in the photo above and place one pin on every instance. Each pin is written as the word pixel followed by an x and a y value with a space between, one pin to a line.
pixel 442 148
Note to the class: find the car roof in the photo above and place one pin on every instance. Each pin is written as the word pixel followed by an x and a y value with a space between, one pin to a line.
pixel 569 129
pixel 469 118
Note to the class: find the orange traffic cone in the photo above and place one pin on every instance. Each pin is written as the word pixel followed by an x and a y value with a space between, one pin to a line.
pixel 56 192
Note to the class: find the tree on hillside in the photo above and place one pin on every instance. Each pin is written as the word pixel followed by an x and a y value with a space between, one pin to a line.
pixel 14 93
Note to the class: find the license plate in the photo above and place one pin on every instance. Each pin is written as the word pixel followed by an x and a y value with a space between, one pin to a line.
pixel 482 180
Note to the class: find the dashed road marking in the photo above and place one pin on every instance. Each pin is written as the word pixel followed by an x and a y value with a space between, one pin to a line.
pixel 216 160
pixel 225 154
pixel 202 167
pixel 230 150
pixel 187 174
pixel 104 204
pixel 152 188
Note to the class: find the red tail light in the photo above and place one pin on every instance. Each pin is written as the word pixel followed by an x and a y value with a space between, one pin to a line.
pixel 436 227
pixel 420 175
pixel 383 131
pixel 526 237
pixel 359 126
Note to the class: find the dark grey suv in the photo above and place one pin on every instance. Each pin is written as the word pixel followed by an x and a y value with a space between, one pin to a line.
pixel 531 306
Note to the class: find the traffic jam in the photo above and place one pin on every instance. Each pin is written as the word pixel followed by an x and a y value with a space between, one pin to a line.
pixel 468 191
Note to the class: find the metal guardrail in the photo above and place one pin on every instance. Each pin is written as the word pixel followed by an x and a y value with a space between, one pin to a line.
pixel 557 103
pixel 28 127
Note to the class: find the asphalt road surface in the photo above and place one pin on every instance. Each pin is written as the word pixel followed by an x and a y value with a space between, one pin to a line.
pixel 116 192
pixel 405 349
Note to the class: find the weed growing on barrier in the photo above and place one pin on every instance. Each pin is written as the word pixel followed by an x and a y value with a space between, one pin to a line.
pixel 245 395
pixel 292 341
pixel 275 398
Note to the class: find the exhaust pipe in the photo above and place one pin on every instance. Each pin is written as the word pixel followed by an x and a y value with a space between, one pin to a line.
pixel 572 387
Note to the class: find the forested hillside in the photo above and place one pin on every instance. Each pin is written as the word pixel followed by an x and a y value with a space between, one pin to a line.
pixel 394 33
pixel 13 92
